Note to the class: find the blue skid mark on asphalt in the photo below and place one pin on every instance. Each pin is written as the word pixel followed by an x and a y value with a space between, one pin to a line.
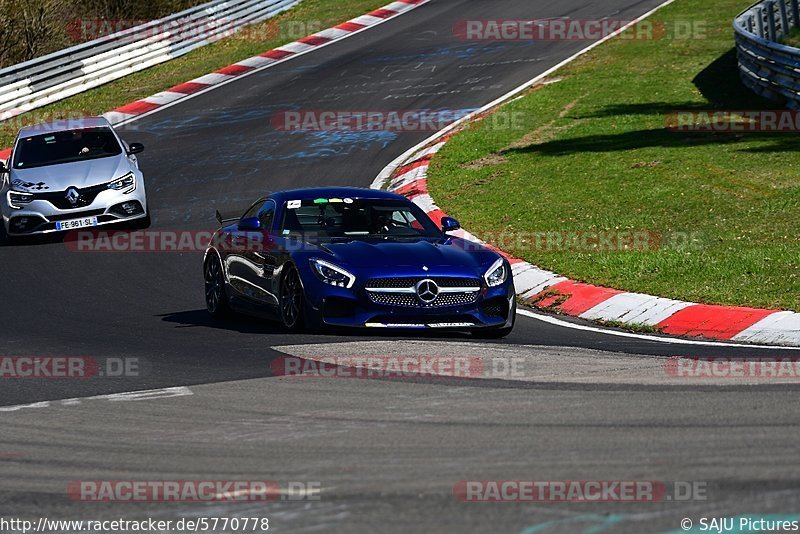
pixel 601 523
pixel 178 125
pixel 737 529
pixel 460 51
pixel 330 144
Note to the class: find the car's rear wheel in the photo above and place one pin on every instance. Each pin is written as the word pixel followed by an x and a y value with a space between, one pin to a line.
pixel 292 301
pixel 216 296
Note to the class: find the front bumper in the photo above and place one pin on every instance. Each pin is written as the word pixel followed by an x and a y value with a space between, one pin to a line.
pixel 353 308
pixel 40 216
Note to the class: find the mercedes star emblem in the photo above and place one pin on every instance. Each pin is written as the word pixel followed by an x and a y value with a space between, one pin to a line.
pixel 427 291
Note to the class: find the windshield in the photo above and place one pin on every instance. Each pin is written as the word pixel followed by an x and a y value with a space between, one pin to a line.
pixel 351 218
pixel 54 148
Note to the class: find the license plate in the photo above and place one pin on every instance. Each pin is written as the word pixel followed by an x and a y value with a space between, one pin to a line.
pixel 74 224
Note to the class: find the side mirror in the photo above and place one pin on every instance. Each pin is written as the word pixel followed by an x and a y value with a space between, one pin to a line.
pixel 3 168
pixel 135 148
pixel 251 224
pixel 450 225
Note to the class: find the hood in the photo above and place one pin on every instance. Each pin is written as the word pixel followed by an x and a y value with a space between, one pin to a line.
pixel 78 174
pixel 430 253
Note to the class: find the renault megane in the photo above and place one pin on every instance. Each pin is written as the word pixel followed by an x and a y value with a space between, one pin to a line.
pixel 71 174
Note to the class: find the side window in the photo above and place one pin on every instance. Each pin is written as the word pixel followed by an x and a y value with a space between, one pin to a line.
pixel 266 214
pixel 254 209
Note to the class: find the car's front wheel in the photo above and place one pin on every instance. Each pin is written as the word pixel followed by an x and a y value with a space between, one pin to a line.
pixel 216 297
pixel 292 301
pixel 145 222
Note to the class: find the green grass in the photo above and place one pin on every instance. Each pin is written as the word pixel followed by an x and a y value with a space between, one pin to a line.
pixel 594 154
pixel 316 15
pixel 793 39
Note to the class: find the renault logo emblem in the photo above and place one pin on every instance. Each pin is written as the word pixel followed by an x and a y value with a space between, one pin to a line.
pixel 427 291
pixel 73 196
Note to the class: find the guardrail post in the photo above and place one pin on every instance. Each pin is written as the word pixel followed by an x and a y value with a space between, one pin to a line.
pixel 796 13
pixel 772 31
pixel 784 18
pixel 750 23
pixel 760 21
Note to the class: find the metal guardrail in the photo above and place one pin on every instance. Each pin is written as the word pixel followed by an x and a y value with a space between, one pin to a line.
pixel 50 78
pixel 767 67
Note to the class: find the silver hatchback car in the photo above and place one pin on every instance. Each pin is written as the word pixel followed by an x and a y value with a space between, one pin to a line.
pixel 71 174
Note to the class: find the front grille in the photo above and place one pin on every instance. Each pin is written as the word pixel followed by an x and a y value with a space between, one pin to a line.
pixel 408 281
pixel 411 301
pixel 59 198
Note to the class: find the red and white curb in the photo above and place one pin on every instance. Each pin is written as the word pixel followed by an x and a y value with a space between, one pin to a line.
pixel 547 290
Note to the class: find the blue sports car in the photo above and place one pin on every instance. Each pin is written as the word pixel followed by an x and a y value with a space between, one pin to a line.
pixel 355 258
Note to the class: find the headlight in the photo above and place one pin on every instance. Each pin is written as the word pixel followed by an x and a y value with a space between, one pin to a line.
pixel 497 273
pixel 127 182
pixel 332 275
pixel 15 198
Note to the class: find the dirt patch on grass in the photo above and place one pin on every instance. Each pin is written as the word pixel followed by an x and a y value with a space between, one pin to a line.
pixel 541 134
pixel 545 132
pixel 487 161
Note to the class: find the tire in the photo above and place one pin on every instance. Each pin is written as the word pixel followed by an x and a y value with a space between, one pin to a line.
pixel 497 333
pixel 216 296
pixel 142 224
pixel 4 239
pixel 292 301
pixel 145 223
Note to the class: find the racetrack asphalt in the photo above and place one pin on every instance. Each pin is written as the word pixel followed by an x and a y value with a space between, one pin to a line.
pixel 387 453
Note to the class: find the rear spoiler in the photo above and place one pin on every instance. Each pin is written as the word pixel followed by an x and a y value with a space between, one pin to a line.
pixel 225 221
